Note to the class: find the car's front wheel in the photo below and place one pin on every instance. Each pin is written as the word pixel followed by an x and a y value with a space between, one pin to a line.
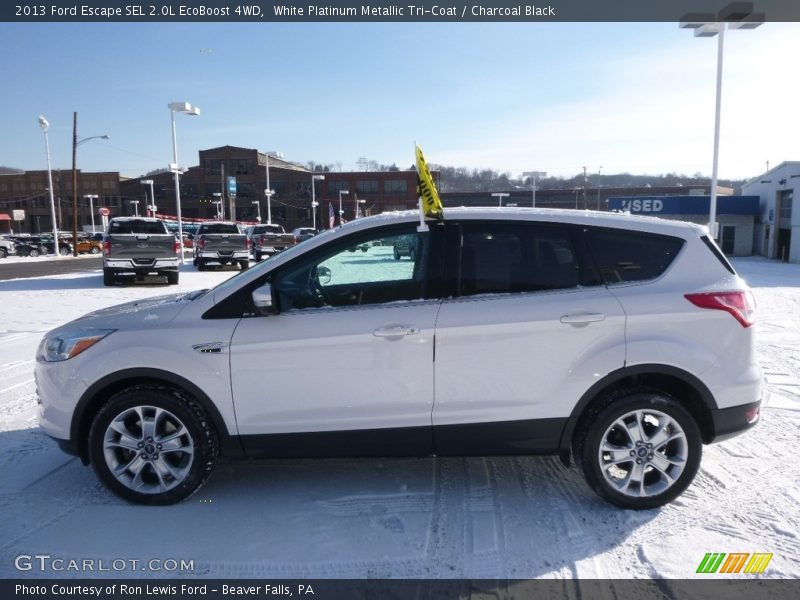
pixel 638 448
pixel 152 445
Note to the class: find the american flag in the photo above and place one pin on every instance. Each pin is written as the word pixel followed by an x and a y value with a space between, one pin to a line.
pixel 331 217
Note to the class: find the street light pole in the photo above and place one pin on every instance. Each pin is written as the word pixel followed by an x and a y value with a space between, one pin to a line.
pixel 135 207
pixel 341 211
pixel 218 203
pixel 45 125
pixel 533 175
pixel 599 171
pixel 500 196
pixel 314 179
pixel 152 206
pixel 91 198
pixel 733 16
pixel 75 143
pixel 186 108
pixel 269 192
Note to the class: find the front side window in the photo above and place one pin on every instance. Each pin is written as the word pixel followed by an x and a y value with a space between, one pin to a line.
pixel 499 258
pixel 384 267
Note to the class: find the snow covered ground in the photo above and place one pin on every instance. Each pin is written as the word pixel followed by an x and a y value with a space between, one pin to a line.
pixel 445 518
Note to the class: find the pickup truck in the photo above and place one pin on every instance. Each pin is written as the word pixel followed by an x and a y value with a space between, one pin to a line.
pixel 269 239
pixel 139 246
pixel 221 242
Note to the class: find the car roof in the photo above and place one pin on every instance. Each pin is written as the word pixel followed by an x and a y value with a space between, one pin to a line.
pixel 151 219
pixel 551 215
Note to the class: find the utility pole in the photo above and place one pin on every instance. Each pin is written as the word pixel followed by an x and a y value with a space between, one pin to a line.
pixel 74 186
pixel 585 202
pixel 222 190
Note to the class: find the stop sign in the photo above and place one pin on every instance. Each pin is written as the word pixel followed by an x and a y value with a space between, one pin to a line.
pixel 104 211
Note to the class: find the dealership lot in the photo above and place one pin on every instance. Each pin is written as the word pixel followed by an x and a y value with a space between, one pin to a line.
pixel 474 517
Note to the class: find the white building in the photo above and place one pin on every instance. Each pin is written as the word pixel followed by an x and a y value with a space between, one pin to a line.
pixel 778 232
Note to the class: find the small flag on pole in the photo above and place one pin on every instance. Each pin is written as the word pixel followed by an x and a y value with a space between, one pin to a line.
pixel 431 203
pixel 331 217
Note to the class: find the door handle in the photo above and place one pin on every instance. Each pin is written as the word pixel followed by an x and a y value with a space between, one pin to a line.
pixel 582 318
pixel 395 331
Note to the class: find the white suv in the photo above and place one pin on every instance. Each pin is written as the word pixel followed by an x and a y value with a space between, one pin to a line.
pixel 624 342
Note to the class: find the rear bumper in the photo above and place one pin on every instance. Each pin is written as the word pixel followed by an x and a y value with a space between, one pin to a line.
pixel 237 255
pixel 130 265
pixel 730 422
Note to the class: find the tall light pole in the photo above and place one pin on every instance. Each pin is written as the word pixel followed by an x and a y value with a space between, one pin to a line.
pixel 258 208
pixel 91 198
pixel 737 15
pixel 533 175
pixel 152 206
pixel 187 109
pixel 75 143
pixel 45 125
pixel 500 196
pixel 314 179
pixel 268 191
pixel 341 211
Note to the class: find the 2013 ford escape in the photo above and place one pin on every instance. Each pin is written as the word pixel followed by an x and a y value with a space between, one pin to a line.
pixel 623 342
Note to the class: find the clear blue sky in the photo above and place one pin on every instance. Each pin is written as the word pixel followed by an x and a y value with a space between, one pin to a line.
pixel 630 97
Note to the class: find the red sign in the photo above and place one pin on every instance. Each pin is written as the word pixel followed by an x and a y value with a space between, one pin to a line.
pixel 104 211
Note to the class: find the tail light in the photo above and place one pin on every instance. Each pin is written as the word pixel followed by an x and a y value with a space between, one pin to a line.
pixel 741 305
pixel 261 239
pixel 177 246
pixel 247 243
pixel 201 243
pixel 107 247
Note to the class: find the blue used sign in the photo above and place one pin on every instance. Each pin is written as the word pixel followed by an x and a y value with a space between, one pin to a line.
pixel 232 186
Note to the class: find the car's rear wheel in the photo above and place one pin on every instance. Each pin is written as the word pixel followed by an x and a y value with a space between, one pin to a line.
pixel 34 252
pixel 109 277
pixel 152 445
pixel 3 253
pixel 243 264
pixel 412 254
pixel 638 448
pixel 173 277
pixel 396 254
pixel 64 251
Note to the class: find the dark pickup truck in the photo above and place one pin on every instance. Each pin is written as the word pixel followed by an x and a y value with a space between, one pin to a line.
pixel 139 246
pixel 269 239
pixel 221 243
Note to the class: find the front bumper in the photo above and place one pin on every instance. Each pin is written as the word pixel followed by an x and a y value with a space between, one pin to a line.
pixel 732 421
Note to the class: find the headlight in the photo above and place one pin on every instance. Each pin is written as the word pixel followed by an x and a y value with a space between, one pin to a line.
pixel 68 345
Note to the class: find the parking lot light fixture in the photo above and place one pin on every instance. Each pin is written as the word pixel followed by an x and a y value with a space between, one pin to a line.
pixel 314 204
pixel 533 175
pixel 152 206
pixel 186 109
pixel 737 15
pixel 45 125
pixel 258 208
pixel 135 207
pixel 92 198
pixel 500 196
pixel 341 210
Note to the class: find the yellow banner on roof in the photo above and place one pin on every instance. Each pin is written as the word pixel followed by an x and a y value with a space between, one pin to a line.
pixel 431 203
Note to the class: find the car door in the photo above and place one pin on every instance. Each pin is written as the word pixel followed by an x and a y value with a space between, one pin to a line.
pixel 529 332
pixel 346 365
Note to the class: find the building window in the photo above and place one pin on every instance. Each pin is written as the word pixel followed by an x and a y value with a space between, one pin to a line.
pixel 786 199
pixel 241 166
pixel 367 186
pixel 213 166
pixel 395 187
pixel 279 187
pixel 245 190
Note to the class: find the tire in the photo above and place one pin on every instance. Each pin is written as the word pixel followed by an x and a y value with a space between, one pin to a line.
pixel 94 250
pixel 159 477
pixel 364 248
pixel 64 251
pixel 109 277
pixel 201 264
pixel 3 253
pixel 396 254
pixel 172 277
pixel 412 254
pixel 244 264
pixel 660 417
pixel 34 252
pixel 257 256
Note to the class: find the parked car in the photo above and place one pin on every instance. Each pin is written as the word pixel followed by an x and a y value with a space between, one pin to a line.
pixel 301 234
pixel 46 245
pixel 86 245
pixel 7 247
pixel 405 246
pixel 28 245
pixel 624 343
pixel 222 243
pixel 269 239
pixel 135 247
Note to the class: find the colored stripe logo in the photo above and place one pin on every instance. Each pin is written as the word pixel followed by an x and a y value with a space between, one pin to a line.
pixel 735 562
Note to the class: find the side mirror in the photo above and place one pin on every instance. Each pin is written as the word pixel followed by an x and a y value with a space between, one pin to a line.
pixel 323 275
pixel 262 299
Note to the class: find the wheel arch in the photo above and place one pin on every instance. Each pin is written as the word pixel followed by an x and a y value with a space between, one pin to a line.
pixel 686 388
pixel 99 392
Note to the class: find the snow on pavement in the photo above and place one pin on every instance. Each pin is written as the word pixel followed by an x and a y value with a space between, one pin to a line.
pixel 514 517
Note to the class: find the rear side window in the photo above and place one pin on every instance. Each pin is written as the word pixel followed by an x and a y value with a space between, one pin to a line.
pixel 718 253
pixel 623 256
pixel 501 258
pixel 137 226
pixel 220 228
